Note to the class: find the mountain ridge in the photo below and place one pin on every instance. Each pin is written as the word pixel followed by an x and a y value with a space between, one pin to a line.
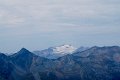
pixel 56 52
pixel 102 63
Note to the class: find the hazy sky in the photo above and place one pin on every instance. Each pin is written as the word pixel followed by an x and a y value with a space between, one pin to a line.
pixel 39 24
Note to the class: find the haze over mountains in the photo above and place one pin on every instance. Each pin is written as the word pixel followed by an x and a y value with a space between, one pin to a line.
pixel 41 25
pixel 95 63
pixel 58 51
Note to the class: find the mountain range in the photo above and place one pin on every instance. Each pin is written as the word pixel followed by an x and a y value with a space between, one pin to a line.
pixel 58 51
pixel 95 63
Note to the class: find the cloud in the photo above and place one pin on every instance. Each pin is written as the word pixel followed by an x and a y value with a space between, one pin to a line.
pixel 91 12
pixel 6 18
pixel 59 21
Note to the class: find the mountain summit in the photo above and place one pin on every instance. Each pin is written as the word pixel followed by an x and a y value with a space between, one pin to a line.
pixel 56 52
pixel 63 49
pixel 95 63
pixel 23 50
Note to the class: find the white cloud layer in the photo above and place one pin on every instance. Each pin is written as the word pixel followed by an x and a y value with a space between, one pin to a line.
pixel 90 12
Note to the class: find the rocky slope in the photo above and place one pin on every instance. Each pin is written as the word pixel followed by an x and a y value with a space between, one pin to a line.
pixel 96 63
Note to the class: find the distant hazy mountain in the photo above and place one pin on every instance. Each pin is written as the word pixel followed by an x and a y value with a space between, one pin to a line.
pixel 80 49
pixel 96 63
pixel 56 52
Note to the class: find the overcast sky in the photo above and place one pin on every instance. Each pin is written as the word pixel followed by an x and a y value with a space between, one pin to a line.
pixel 39 24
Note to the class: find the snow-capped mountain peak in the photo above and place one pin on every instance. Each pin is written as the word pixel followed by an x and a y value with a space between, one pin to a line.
pixel 63 49
pixel 56 52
